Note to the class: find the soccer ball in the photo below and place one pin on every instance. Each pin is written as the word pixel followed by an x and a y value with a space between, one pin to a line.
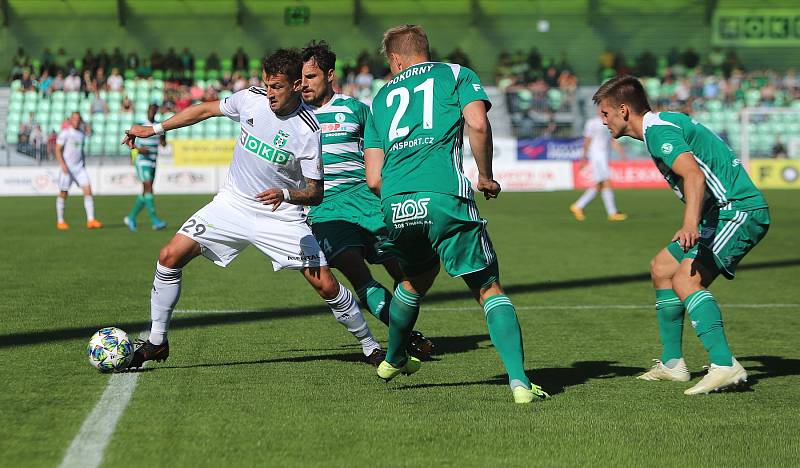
pixel 110 350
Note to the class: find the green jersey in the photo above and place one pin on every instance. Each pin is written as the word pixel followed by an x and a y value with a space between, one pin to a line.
pixel 150 144
pixel 417 121
pixel 342 122
pixel 669 134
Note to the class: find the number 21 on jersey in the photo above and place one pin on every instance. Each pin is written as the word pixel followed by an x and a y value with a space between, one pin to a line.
pixel 426 87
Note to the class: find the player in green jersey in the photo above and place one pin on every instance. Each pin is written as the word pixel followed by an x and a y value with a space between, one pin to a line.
pixel 724 217
pixel 413 144
pixel 349 223
pixel 144 160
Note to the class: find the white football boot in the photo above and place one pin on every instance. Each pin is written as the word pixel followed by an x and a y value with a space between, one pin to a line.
pixel 660 371
pixel 718 378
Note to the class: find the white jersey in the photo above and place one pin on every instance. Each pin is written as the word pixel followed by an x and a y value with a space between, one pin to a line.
pixel 71 141
pixel 271 152
pixel 600 139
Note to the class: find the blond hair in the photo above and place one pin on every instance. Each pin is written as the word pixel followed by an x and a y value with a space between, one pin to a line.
pixel 406 39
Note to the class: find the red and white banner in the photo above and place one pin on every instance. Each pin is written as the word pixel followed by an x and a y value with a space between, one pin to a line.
pixel 533 176
pixel 624 174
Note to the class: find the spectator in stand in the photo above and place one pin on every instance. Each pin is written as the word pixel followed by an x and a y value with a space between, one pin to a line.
pixel 36 142
pixel 621 64
pixel 226 81
pixel 183 101
pixel 187 59
pixel 172 62
pixel 534 59
pixel 212 61
pixel 98 105
pixel 51 144
pixel 44 83
pixel 157 60
pixel 460 57
pixel 196 92
pixel 210 95
pixel 673 57
pixel 72 82
pixel 19 62
pixel 102 59
pixel 117 60
pixel 61 60
pixel 731 63
pixel 240 60
pixel 58 82
pixel 132 60
pixel 89 61
pixel 100 78
pixel 254 80
pixel 363 81
pixel 646 64
pixel 690 58
pixel 88 85
pixel 48 61
pixel 239 82
pixel 27 83
pixel 115 81
pixel 778 149
pixel 26 127
pixel 551 77
pixel 127 105
pixel 567 82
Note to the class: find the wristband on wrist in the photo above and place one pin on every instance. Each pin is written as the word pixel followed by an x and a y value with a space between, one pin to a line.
pixel 286 196
pixel 158 129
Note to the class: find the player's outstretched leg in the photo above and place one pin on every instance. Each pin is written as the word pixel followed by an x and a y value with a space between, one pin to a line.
pixel 577 207
pixel 164 296
pixel 345 310
pixel 130 220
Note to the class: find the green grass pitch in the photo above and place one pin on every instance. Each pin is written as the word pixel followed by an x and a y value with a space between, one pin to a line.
pixel 261 374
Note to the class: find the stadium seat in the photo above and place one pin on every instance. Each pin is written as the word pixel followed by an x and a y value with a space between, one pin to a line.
pixel 198 75
pixel 199 64
pixel 212 75
pixel 158 74
pixel 129 74
pixel 16 85
pixel 226 64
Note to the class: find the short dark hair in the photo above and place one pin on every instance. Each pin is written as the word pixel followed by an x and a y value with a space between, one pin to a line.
pixel 285 61
pixel 624 89
pixel 406 39
pixel 322 55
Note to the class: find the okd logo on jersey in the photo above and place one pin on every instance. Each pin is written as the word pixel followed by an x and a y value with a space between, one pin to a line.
pixel 264 150
pixel 410 210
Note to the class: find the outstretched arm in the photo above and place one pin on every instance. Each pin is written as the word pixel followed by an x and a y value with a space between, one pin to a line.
pixel 190 115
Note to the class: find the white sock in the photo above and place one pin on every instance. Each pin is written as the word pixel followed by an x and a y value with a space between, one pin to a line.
pixel 60 209
pixel 347 313
pixel 163 297
pixel 587 196
pixel 608 200
pixel 88 205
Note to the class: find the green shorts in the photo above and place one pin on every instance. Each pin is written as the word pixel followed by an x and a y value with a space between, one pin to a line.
pixel 726 236
pixel 145 169
pixel 337 236
pixel 427 227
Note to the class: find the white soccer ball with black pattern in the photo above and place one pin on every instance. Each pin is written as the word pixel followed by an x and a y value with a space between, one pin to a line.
pixel 110 350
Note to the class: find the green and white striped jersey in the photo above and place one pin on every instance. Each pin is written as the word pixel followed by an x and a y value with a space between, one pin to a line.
pixel 150 143
pixel 342 122
pixel 669 134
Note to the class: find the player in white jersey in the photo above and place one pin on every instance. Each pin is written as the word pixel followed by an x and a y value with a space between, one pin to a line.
pixel 69 154
pixel 276 169
pixel 597 144
pixel 349 223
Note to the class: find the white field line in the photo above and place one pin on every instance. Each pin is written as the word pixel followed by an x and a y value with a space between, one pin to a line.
pixel 530 307
pixel 89 445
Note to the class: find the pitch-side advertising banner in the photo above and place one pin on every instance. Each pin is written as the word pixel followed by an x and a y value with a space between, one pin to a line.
pixel 775 173
pixel 202 152
pixel 505 149
pixel 624 174
pixel 533 176
pixel 546 148
pixel 112 180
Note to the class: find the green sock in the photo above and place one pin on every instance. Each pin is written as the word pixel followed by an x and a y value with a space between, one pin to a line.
pixel 501 318
pixel 707 322
pixel 670 311
pixel 150 203
pixel 376 299
pixel 137 207
pixel 403 313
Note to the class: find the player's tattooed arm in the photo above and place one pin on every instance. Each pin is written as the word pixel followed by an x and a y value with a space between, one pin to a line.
pixel 310 195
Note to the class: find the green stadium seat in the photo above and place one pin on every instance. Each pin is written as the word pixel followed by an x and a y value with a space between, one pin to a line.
pixel 254 64
pixel 212 75
pixel 555 98
pixel 198 75
pixel 714 105
pixel 129 74
pixel 14 107
pixel 114 107
pixel 57 108
pixel 114 96
pixel 16 96
pixel 200 64
pixel 156 96
pixel 225 93
pixel 57 96
pixel 158 74
pixel 15 85
pixel 752 97
pixel 156 84
pixel 226 64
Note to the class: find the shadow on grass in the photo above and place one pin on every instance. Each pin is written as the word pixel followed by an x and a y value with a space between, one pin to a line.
pixel 553 380
pixel 230 318
pixel 768 367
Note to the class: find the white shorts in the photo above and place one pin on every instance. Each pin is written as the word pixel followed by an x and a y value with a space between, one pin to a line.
pixel 224 229
pixel 600 170
pixel 77 175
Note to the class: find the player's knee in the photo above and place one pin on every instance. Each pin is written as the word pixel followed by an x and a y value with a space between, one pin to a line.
pixel 660 272
pixel 169 257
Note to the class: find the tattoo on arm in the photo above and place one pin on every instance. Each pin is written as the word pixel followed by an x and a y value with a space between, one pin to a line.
pixel 311 195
